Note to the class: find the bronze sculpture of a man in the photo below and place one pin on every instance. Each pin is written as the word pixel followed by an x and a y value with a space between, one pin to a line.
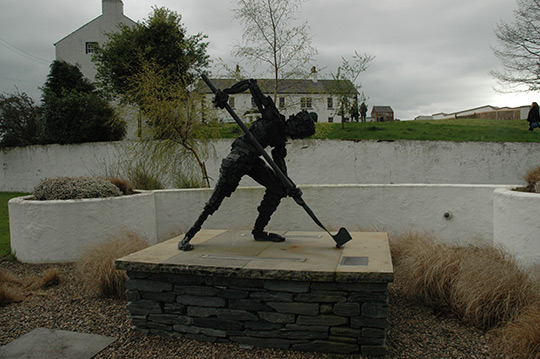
pixel 271 130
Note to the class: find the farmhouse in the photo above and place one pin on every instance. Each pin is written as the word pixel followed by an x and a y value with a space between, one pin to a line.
pixel 77 48
pixel 313 95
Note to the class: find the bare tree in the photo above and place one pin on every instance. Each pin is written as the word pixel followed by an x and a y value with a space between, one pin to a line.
pixel 270 37
pixel 519 50
pixel 345 84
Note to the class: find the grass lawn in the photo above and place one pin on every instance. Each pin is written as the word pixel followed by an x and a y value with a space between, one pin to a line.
pixel 5 248
pixel 434 130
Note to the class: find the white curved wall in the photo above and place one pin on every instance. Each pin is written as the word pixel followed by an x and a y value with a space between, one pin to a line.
pixel 389 208
pixel 516 223
pixel 60 231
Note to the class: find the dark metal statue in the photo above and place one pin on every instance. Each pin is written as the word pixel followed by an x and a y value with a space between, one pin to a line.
pixel 271 130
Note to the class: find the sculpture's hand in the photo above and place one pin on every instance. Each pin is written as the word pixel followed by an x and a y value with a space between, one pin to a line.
pixel 294 192
pixel 221 99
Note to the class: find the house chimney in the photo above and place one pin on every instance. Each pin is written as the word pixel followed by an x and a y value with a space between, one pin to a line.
pixel 112 7
pixel 314 74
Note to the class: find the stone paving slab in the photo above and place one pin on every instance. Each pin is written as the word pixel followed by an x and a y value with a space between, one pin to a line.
pixel 58 344
pixel 303 256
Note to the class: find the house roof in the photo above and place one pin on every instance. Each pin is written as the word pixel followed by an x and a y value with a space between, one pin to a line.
pixel 382 109
pixel 291 86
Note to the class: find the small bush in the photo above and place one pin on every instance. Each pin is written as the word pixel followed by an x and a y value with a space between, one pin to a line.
pixel 96 267
pixel 124 186
pixel 532 178
pixel 74 188
pixel 142 179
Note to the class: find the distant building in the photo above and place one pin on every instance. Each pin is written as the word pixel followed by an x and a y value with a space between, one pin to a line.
pixel 77 48
pixel 487 112
pixel 293 95
pixel 382 113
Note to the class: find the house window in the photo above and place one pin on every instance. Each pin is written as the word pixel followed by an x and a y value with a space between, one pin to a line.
pixel 231 102
pixel 91 47
pixel 281 102
pixel 330 119
pixel 330 102
pixel 305 102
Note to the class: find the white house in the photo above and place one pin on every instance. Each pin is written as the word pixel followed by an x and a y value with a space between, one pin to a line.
pixel 77 48
pixel 293 95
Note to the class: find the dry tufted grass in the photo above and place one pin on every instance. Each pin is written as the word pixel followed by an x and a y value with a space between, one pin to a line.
pixel 490 287
pixel 96 268
pixel 13 289
pixel 428 268
pixel 521 337
pixel 482 285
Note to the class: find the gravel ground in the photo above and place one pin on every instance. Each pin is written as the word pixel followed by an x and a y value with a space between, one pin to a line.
pixel 414 330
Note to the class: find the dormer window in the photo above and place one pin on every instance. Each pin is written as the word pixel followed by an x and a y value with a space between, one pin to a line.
pixel 91 47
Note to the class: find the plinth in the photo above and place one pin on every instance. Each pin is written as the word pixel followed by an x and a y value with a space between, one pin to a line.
pixel 301 294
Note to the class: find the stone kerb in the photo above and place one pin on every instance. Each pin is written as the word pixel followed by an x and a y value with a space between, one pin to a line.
pixel 516 224
pixel 60 230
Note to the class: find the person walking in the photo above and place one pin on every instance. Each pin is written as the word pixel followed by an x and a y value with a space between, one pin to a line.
pixel 534 117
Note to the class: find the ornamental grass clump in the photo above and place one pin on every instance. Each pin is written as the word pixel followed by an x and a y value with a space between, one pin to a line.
pixel 62 188
pixel 521 337
pixel 490 288
pixel 14 289
pixel 96 268
pixel 481 284
pixel 426 268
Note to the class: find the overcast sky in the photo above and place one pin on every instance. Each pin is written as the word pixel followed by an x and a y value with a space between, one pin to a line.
pixel 430 55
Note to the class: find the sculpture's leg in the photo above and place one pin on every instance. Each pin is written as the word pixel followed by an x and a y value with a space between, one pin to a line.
pixel 275 191
pixel 233 167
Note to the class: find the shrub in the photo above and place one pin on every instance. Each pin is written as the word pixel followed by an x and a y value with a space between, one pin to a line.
pixel 74 111
pixel 143 179
pixel 74 188
pixel 123 185
pixel 20 121
pixel 96 267
pixel 533 181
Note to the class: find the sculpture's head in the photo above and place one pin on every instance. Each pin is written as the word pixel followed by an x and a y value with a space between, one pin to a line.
pixel 301 125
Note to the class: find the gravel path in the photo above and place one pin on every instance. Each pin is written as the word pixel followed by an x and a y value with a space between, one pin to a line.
pixel 414 331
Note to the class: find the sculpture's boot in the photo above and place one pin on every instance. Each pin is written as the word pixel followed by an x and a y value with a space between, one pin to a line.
pixel 267 207
pixel 220 192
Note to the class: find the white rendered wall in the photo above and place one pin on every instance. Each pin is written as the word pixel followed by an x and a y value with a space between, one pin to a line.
pixel 72 48
pixel 516 224
pixel 309 162
pixel 388 208
pixel 60 231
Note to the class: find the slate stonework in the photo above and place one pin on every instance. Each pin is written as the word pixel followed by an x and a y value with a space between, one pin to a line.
pixel 308 316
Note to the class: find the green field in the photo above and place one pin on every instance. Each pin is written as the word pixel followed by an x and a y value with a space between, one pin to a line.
pixel 5 248
pixel 434 130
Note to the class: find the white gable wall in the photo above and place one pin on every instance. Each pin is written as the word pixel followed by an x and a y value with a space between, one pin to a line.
pixel 72 48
